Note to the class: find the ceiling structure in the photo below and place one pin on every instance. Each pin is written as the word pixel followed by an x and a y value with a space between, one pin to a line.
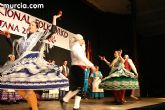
pixel 150 14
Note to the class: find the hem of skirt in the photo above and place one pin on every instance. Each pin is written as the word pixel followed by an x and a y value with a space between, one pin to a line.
pixel 34 87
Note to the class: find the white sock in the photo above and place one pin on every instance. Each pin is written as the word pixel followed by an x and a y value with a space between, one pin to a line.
pixel 77 102
pixel 69 95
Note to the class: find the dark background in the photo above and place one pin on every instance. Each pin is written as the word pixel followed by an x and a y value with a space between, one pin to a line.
pixel 107 33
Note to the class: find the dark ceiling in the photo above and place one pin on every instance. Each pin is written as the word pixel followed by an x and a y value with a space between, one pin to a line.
pixel 115 6
pixel 150 14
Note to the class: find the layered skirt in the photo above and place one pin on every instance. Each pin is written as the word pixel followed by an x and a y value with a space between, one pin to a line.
pixel 120 79
pixel 31 71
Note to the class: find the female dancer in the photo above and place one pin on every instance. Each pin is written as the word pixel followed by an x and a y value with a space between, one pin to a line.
pixel 119 79
pixel 30 71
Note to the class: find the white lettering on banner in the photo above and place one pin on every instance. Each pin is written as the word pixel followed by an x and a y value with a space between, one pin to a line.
pixel 17 22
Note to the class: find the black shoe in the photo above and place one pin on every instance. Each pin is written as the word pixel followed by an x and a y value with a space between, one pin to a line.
pixel 63 104
pixel 120 103
pixel 114 101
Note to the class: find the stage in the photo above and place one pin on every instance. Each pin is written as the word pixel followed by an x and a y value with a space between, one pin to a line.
pixel 95 104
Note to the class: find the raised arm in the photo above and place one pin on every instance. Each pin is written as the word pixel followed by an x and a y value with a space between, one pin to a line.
pixel 54 24
pixel 133 67
pixel 105 60
pixel 55 17
pixel 121 58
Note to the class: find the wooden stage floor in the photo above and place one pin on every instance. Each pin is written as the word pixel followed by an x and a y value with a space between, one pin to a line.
pixel 89 104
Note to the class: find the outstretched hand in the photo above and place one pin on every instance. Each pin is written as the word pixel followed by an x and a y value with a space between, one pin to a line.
pixel 59 14
pixel 55 17
pixel 102 57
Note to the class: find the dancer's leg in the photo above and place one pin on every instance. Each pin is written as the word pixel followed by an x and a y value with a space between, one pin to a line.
pixel 123 95
pixel 77 102
pixel 30 97
pixel 133 94
pixel 116 95
pixel 69 95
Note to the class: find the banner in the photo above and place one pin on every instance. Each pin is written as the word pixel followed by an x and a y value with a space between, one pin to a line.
pixel 17 22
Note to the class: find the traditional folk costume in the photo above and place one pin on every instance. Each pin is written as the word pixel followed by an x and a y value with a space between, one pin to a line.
pixel 85 90
pixel 119 80
pixel 65 70
pixel 77 76
pixel 9 96
pixel 129 65
pixel 96 93
pixel 30 71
